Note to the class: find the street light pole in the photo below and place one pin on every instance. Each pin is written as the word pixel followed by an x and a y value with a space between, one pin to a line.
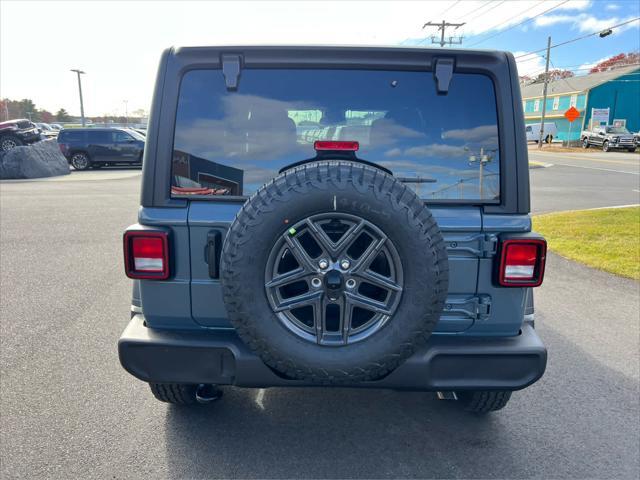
pixel 80 72
pixel 126 113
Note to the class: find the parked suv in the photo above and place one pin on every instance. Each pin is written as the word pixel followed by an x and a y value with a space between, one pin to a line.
pixel 97 147
pixel 335 216
pixel 14 133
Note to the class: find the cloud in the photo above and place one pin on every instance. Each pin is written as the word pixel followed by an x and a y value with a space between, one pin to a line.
pixel 436 150
pixel 584 22
pixel 477 134
pixel 585 67
pixel 530 65
pixel 612 6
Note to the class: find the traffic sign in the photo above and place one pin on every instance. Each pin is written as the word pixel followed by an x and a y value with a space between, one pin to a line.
pixel 572 114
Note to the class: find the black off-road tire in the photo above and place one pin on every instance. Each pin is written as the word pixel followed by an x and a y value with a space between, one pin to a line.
pixel 482 402
pixel 175 393
pixel 348 188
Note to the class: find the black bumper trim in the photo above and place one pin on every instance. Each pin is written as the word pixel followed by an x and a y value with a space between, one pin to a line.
pixel 445 363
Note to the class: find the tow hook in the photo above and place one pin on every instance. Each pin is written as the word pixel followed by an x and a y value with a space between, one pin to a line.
pixel 208 393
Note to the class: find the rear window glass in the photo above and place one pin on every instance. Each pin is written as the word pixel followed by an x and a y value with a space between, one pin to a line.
pixel 71 136
pixel 445 147
pixel 100 136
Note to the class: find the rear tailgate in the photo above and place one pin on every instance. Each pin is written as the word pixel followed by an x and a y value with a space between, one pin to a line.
pixel 461 227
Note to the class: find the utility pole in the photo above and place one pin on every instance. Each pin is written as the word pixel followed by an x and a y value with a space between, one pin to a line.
pixel 544 94
pixel 80 72
pixel 442 26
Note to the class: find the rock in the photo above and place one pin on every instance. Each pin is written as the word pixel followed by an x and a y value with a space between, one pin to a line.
pixel 42 159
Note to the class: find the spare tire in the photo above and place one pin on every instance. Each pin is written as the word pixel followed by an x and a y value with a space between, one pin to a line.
pixel 334 272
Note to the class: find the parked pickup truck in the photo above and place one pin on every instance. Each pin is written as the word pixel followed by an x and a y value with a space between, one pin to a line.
pixel 390 248
pixel 608 138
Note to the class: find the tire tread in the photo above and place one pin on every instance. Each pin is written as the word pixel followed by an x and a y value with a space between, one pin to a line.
pixel 175 393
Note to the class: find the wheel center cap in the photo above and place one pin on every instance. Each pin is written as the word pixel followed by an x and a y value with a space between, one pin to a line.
pixel 333 282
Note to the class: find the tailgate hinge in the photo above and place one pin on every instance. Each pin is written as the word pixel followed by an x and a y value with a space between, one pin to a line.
pixel 443 73
pixel 231 67
pixel 477 308
pixel 481 245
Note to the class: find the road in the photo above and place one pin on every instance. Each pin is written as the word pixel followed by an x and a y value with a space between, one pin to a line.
pixel 584 180
pixel 68 410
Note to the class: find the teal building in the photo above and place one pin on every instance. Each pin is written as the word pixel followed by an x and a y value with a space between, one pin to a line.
pixel 618 90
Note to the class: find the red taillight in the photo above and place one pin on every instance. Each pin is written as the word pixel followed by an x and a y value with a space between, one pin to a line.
pixel 146 254
pixel 336 145
pixel 522 262
pixel 63 147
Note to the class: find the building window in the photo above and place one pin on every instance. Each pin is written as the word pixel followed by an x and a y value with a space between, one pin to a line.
pixel 556 102
pixel 524 105
pixel 536 106
pixel 574 100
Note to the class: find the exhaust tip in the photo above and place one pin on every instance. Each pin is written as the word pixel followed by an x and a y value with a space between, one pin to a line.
pixel 207 393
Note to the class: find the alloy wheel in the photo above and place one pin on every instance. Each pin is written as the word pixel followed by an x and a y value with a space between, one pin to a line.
pixel 334 279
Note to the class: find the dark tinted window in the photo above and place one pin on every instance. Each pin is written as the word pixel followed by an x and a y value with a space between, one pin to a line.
pixel 99 136
pixel 119 136
pixel 232 142
pixel 71 136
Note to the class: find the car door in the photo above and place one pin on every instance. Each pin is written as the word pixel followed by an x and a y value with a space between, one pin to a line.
pixel 99 145
pixel 126 147
pixel 598 137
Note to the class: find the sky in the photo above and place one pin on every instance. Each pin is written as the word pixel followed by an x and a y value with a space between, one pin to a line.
pixel 118 43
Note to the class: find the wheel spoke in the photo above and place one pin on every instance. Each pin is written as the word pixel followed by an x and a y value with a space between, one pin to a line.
pixel 346 312
pixel 378 280
pixel 369 254
pixel 331 248
pixel 286 278
pixel 358 300
pixel 303 300
pixel 303 258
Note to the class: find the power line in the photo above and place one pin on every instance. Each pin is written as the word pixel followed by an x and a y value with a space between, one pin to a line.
pixel 475 10
pixel 578 38
pixel 447 9
pixel 518 24
pixel 492 8
pixel 562 78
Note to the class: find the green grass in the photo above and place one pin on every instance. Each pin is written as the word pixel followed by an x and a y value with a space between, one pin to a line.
pixel 607 239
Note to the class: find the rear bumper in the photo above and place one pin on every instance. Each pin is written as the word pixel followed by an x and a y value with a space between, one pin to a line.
pixel 446 363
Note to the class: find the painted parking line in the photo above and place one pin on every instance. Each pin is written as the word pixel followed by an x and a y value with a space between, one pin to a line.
pixel 597 168
pixel 597 160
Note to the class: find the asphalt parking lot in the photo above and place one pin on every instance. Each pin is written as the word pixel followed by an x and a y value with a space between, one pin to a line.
pixel 68 410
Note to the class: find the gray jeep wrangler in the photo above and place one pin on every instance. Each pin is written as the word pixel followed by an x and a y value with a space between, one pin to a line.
pixel 335 216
